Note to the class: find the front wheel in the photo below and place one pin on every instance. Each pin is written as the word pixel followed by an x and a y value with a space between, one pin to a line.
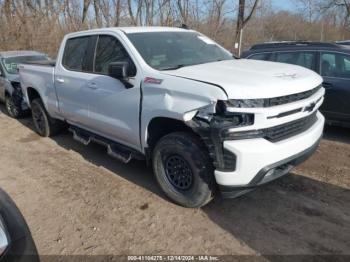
pixel 184 169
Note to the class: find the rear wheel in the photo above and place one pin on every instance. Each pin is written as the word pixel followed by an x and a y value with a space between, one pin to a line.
pixel 44 124
pixel 184 169
pixel 13 109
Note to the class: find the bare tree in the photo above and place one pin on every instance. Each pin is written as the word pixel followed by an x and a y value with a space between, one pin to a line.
pixel 118 9
pixel 41 24
pixel 341 7
pixel 86 5
pixel 97 8
pixel 242 20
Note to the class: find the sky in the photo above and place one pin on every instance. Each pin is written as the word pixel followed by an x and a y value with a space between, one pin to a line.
pixel 284 4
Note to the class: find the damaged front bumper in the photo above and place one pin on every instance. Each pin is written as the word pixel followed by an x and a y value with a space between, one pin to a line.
pixel 259 161
pixel 245 160
pixel 268 173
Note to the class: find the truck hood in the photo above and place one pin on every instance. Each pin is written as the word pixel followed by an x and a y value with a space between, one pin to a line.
pixel 251 79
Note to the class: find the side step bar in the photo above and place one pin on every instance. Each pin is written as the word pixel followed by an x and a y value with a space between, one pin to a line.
pixel 114 149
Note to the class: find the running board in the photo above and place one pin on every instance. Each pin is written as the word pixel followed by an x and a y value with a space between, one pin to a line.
pixel 115 150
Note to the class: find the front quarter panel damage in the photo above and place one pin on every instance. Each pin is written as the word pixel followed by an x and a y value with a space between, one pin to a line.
pixel 173 98
pixel 208 125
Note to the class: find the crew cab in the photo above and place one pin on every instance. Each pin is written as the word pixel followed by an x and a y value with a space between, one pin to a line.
pixel 204 119
pixel 10 90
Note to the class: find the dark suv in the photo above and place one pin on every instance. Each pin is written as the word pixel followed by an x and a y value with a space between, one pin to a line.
pixel 331 61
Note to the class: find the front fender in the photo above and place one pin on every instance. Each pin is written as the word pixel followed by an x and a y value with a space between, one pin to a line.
pixel 173 99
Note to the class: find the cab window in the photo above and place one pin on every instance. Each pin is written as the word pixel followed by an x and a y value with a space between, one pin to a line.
pixel 109 50
pixel 75 55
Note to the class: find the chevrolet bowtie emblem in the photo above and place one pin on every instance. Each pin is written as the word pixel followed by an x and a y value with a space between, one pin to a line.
pixel 310 108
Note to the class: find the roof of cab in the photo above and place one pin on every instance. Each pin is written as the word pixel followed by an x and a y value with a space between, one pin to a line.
pixel 142 29
pixel 7 54
pixel 133 29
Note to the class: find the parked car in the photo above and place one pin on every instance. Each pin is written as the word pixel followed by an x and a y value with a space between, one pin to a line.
pixel 16 242
pixel 10 90
pixel 182 102
pixel 344 42
pixel 331 61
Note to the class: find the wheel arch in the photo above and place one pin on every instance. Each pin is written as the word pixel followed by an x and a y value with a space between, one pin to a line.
pixel 32 94
pixel 159 127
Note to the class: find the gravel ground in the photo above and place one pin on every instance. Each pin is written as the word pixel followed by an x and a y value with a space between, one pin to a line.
pixel 78 200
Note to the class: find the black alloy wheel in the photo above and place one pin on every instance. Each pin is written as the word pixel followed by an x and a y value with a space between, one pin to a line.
pixel 179 172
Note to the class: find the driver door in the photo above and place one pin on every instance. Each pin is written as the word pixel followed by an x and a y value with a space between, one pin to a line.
pixel 114 108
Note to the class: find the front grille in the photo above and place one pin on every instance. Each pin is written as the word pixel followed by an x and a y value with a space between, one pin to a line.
pixel 284 131
pixel 276 101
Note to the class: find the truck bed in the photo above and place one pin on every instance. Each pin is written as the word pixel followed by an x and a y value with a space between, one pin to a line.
pixel 50 63
pixel 41 76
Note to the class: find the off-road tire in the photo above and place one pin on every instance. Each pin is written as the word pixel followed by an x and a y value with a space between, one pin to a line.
pixel 44 125
pixel 184 153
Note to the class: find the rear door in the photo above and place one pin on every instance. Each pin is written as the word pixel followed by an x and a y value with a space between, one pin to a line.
pixel 72 76
pixel 335 70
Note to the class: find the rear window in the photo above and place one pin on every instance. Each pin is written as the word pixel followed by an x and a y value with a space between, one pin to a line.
pixel 75 54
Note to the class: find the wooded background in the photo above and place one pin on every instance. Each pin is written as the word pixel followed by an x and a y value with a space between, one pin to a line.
pixel 41 24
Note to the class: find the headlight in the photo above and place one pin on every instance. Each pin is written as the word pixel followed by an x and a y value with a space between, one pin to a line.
pixel 220 118
pixel 3 238
pixel 232 120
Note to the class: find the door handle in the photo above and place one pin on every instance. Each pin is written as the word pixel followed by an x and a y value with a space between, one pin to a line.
pixel 92 86
pixel 60 80
pixel 327 85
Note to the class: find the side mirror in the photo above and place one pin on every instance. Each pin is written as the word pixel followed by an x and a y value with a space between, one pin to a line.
pixel 118 70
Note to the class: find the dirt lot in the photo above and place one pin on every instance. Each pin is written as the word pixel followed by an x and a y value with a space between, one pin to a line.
pixel 78 200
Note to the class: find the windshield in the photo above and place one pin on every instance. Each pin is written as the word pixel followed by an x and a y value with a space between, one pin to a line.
pixel 11 63
pixel 173 50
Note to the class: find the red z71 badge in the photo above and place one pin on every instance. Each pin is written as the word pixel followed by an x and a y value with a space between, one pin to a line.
pixel 151 80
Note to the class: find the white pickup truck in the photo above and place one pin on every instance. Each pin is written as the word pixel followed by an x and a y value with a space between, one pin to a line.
pixel 205 120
